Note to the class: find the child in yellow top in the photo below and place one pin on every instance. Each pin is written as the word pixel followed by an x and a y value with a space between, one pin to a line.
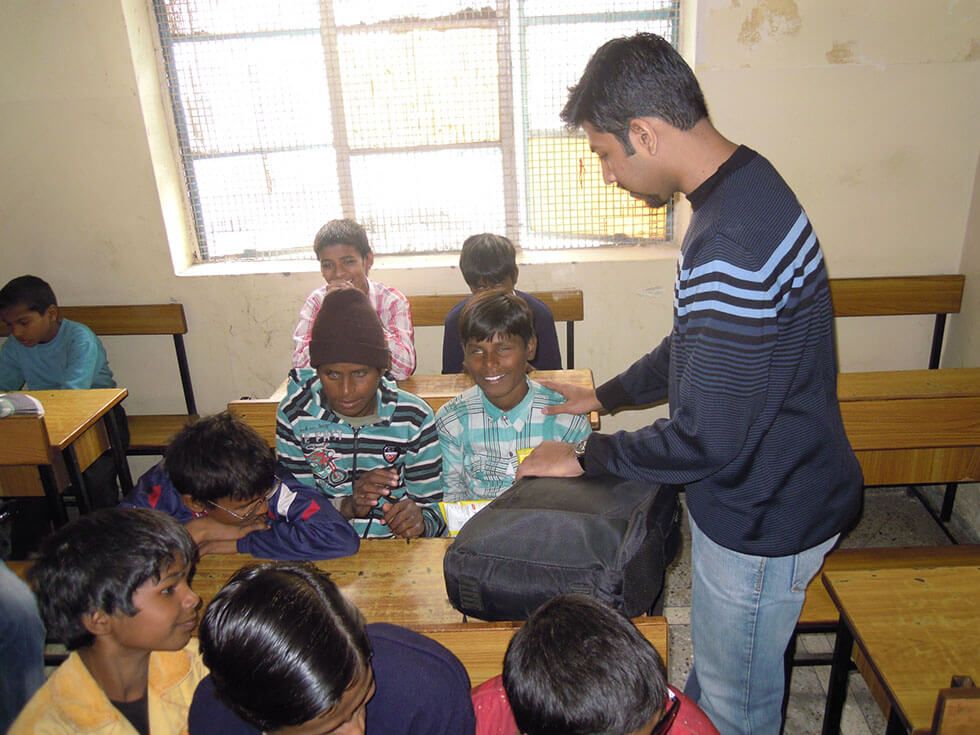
pixel 114 587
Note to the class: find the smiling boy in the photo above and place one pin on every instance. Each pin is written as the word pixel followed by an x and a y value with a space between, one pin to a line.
pixel 347 430
pixel 481 430
pixel 346 258
pixel 114 587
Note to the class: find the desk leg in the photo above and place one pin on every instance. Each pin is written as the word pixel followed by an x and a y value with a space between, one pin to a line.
pixel 75 475
pixel 895 725
pixel 56 504
pixel 837 688
pixel 118 453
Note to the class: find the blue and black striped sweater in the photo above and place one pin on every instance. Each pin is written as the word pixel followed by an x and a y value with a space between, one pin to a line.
pixel 750 373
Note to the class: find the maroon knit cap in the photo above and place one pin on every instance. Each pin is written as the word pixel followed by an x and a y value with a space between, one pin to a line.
pixel 348 329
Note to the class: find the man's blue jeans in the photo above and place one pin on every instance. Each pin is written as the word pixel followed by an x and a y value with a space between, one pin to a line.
pixel 21 646
pixel 743 612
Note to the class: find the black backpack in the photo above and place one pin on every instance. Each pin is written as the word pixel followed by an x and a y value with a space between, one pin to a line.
pixel 602 536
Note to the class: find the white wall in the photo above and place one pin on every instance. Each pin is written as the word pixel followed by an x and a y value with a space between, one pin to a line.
pixel 869 109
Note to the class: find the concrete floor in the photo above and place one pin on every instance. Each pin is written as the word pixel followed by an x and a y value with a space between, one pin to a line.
pixel 891 517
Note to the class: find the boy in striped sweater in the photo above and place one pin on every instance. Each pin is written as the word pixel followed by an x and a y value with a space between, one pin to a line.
pixel 347 430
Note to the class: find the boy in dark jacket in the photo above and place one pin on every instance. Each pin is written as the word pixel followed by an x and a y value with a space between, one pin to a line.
pixel 220 479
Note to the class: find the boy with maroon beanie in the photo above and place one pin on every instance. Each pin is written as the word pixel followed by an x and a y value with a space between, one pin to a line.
pixel 346 429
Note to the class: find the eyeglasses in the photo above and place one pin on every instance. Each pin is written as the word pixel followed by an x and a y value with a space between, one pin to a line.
pixel 667 721
pixel 250 511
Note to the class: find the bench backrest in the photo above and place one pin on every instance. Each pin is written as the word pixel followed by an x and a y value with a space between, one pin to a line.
pixel 567 305
pixel 481 646
pixel 141 319
pixel 901 296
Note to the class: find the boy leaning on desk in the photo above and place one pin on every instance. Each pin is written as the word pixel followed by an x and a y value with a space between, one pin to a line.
pixel 46 352
pixel 347 430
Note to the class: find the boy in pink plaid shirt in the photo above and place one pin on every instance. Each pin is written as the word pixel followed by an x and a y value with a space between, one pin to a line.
pixel 345 258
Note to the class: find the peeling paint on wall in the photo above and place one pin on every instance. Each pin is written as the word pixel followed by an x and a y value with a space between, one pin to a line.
pixel 774 17
pixel 841 53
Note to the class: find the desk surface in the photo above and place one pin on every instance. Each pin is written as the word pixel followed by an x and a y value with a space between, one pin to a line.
pixel 69 413
pixel 917 627
pixel 390 580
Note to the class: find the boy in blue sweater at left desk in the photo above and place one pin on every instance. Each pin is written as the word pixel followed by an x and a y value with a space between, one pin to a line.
pixel 46 352
pixel 220 479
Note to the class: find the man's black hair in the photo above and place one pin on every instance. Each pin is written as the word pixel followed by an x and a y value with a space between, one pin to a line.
pixel 31 291
pixel 578 667
pixel 282 644
pixel 342 232
pixel 495 312
pixel 637 76
pixel 487 260
pixel 220 456
pixel 97 562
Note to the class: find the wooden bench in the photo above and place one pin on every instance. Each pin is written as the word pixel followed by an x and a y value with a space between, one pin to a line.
pixel 148 434
pixel 913 427
pixel 481 646
pixel 957 711
pixel 905 296
pixel 566 305
pixel 901 296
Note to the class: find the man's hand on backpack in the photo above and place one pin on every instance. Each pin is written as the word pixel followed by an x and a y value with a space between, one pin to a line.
pixel 550 459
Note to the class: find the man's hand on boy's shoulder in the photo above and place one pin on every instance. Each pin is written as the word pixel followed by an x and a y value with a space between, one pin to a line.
pixel 578 399
pixel 404 518
pixel 369 488
pixel 213 537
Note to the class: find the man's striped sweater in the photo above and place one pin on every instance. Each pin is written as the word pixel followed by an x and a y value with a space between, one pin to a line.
pixel 755 432
pixel 327 453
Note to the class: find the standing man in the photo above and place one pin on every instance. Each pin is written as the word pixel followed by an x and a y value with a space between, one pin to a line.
pixel 749 370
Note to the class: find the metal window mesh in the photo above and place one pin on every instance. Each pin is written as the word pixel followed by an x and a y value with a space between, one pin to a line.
pixel 425 120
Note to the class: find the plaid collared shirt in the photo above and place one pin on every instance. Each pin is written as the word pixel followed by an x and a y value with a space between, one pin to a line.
pixel 479 442
pixel 396 318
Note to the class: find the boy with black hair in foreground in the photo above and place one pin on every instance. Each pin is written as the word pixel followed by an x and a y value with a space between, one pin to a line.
pixel 221 479
pixel 489 262
pixel 578 667
pixel 114 587
pixel 290 655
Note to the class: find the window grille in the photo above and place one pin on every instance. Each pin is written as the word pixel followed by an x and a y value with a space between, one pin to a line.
pixel 425 120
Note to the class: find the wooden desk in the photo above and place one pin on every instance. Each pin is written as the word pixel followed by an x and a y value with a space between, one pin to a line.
pixel 916 628
pixel 390 580
pixel 80 427
pixel 401 582
pixel 260 413
pixel 912 427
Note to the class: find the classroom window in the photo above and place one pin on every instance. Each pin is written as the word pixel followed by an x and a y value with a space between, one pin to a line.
pixel 427 121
